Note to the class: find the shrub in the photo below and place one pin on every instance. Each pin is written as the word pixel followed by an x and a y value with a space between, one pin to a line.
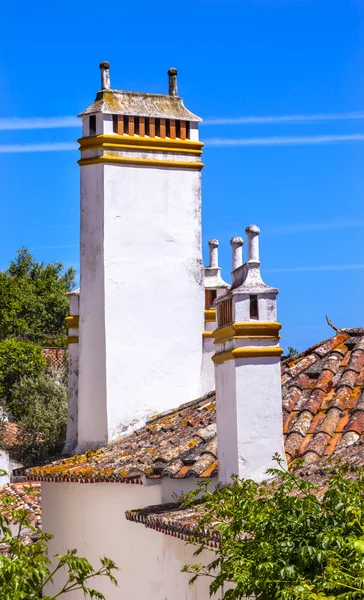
pixel 17 359
pixel 42 404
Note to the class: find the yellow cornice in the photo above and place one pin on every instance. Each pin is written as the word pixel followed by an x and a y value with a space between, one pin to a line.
pixel 72 339
pixel 247 352
pixel 247 329
pixel 73 322
pixel 210 315
pixel 139 143
pixel 207 334
pixel 142 162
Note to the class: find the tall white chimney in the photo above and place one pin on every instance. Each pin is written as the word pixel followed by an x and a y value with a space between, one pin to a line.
pixel 141 309
pixel 248 371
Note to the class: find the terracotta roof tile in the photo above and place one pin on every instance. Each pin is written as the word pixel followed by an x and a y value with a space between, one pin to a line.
pixel 23 495
pixel 8 433
pixel 323 402
pixel 172 519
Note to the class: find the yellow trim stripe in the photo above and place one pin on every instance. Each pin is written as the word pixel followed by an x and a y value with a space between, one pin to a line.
pixel 73 322
pixel 247 352
pixel 141 162
pixel 247 329
pixel 72 339
pixel 207 334
pixel 140 148
pixel 210 315
pixel 139 141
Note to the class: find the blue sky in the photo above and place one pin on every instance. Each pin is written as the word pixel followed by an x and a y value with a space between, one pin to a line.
pixel 236 59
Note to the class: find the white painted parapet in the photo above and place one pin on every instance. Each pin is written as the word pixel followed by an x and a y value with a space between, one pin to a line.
pixel 247 370
pixel 73 364
pixel 214 287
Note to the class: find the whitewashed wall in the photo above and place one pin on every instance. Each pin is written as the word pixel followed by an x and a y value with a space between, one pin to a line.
pixel 142 295
pixel 90 517
pixel 5 465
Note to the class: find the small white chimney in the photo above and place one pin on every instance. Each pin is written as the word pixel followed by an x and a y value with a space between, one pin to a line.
pixel 247 370
pixel 215 286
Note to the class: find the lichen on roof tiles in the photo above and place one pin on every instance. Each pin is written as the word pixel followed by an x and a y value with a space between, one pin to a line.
pixel 140 104
pixel 323 414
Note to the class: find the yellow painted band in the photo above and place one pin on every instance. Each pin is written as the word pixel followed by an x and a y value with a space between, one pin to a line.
pixel 247 329
pixel 137 140
pixel 72 339
pixel 73 322
pixel 248 352
pixel 143 162
pixel 140 148
pixel 210 315
pixel 207 334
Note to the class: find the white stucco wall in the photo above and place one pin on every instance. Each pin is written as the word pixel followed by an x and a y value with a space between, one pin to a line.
pixel 249 416
pixel 5 466
pixel 90 517
pixel 142 295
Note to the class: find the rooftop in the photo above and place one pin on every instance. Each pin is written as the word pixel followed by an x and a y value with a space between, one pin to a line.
pixel 172 519
pixel 323 414
pixel 140 104
pixel 167 106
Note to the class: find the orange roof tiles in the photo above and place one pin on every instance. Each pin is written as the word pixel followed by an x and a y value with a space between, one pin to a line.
pixel 172 519
pixel 8 433
pixel 323 413
pixel 23 495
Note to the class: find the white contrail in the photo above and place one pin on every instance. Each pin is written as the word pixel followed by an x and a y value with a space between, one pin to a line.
pixel 316 268
pixel 213 142
pixel 284 141
pixel 50 147
pixel 283 119
pixel 13 123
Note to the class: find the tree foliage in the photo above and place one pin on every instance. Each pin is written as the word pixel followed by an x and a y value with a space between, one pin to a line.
pixel 25 568
pixel 292 352
pixel 284 540
pixel 33 304
pixel 42 404
pixel 17 359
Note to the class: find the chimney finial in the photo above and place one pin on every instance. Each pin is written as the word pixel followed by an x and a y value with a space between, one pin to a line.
pixel 253 232
pixel 172 82
pixel 214 260
pixel 105 75
pixel 237 246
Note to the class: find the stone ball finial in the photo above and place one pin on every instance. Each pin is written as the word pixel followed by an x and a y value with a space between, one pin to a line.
pixel 236 241
pixel 252 229
pixel 104 65
pixel 213 243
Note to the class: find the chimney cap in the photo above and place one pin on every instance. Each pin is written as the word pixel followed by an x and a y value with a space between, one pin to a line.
pixel 252 229
pixel 172 82
pixel 236 240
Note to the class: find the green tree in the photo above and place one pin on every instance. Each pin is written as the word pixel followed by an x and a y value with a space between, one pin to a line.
pixel 25 568
pixel 42 404
pixel 284 540
pixel 292 352
pixel 17 359
pixel 33 304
